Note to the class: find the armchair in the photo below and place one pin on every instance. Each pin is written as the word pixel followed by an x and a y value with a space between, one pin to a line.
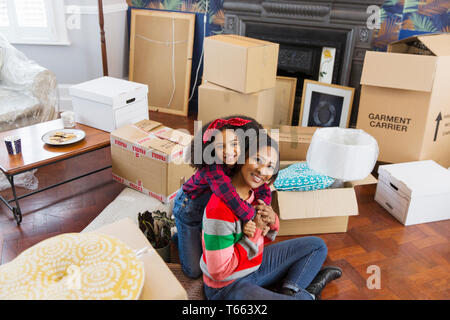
pixel 28 91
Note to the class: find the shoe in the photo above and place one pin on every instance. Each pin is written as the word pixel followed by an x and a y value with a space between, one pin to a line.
pixel 287 292
pixel 325 275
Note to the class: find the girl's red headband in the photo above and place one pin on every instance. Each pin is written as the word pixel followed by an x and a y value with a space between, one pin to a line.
pixel 219 123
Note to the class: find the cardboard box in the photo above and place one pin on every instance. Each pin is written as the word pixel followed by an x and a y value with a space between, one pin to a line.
pixel 216 101
pixel 314 212
pixel 108 103
pixel 414 192
pixel 148 157
pixel 405 98
pixel 160 283
pixel 293 141
pixel 243 64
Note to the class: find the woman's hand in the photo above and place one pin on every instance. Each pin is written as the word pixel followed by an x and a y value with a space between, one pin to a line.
pixel 261 223
pixel 266 212
pixel 249 228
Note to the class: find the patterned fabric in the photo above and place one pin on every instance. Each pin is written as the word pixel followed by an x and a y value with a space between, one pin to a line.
pixel 215 178
pixel 220 123
pixel 299 177
pixel 216 17
pixel 74 266
pixel 228 254
pixel 404 18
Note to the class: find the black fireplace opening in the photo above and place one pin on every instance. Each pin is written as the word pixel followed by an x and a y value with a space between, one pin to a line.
pixel 300 52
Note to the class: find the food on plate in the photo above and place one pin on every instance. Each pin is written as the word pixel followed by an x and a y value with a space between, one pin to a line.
pixel 61 137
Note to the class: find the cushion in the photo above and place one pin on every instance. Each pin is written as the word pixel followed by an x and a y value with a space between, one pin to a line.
pixel 74 266
pixel 299 177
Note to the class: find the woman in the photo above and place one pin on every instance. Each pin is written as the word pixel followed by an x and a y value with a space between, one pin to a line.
pixel 233 264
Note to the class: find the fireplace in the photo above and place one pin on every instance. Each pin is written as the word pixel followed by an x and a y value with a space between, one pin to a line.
pixel 302 29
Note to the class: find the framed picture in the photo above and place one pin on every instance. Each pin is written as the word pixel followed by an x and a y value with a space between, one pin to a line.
pixel 160 62
pixel 284 100
pixel 325 105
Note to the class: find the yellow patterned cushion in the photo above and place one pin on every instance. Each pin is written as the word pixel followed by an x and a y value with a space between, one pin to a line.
pixel 74 266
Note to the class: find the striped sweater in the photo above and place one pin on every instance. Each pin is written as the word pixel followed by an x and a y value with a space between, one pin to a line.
pixel 228 254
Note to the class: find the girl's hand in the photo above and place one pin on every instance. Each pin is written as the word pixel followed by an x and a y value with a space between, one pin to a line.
pixel 260 222
pixel 249 229
pixel 266 212
pixel 265 230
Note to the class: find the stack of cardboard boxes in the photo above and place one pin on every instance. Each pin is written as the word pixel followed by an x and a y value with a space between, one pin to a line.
pixel 239 78
pixel 405 105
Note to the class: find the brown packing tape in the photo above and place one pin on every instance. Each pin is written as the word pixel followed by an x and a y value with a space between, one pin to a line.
pixel 147 125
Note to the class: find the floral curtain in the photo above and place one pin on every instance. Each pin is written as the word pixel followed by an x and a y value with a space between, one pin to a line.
pixel 404 18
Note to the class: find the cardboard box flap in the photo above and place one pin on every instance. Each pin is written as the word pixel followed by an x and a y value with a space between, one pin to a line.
pixel 241 40
pixel 175 136
pixel 162 145
pixel 370 179
pixel 147 125
pixel 129 133
pixel 438 44
pixel 393 70
pixel 317 204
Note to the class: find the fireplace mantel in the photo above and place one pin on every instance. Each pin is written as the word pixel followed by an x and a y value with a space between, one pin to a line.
pixel 349 16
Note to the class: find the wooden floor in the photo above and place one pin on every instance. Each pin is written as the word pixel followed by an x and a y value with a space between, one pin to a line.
pixel 414 261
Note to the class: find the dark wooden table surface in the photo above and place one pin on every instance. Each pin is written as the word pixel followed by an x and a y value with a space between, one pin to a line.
pixel 36 153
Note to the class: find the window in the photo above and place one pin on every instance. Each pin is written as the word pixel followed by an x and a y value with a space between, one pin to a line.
pixel 33 21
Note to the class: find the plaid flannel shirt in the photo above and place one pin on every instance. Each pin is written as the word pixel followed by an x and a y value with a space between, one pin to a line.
pixel 215 178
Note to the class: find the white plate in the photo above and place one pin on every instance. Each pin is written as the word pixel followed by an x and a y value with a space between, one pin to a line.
pixel 80 134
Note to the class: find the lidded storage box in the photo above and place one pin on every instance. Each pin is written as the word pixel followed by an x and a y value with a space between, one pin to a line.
pixel 108 103
pixel 414 192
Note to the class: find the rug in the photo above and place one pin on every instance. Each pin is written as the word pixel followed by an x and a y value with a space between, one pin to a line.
pixel 127 205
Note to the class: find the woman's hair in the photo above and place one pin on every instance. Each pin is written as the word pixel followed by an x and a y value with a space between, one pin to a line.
pixel 198 145
pixel 254 144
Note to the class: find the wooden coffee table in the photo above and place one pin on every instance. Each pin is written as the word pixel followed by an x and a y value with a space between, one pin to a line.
pixel 36 154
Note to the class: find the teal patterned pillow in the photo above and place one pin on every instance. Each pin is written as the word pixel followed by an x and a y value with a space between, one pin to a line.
pixel 299 177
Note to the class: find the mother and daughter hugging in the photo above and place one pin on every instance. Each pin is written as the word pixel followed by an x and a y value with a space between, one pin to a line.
pixel 224 220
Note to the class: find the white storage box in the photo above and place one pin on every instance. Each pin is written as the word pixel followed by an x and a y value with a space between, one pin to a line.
pixel 108 103
pixel 414 192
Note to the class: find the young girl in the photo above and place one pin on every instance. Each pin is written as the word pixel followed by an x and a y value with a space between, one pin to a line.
pixel 236 266
pixel 210 179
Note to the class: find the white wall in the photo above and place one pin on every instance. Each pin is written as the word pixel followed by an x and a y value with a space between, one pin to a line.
pixel 82 60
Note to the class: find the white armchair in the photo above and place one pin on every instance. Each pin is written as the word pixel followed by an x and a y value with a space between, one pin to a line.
pixel 28 91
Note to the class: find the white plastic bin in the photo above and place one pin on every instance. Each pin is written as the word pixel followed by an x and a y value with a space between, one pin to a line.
pixel 414 192
pixel 108 103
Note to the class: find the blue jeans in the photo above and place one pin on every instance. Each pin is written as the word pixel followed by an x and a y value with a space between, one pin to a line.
pixel 188 219
pixel 294 262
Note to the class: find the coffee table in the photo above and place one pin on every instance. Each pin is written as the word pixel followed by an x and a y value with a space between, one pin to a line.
pixel 36 154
